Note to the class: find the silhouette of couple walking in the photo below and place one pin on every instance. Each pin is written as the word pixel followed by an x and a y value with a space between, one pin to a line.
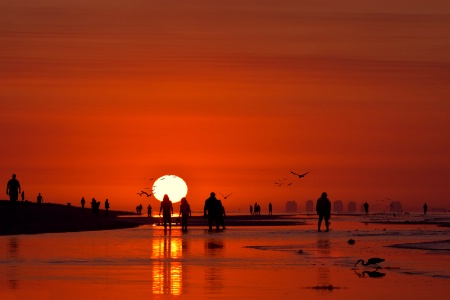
pixel 214 212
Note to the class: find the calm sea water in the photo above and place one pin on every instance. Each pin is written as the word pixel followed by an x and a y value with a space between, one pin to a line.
pixel 245 262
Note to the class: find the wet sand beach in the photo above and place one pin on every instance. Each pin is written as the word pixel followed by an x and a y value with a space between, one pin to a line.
pixel 249 262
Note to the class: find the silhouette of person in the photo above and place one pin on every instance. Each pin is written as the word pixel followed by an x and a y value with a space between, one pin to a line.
pixel 270 208
pixel 185 212
pixel 95 206
pixel 251 209
pixel 23 195
pixel 211 210
pixel 167 209
pixel 425 208
pixel 366 207
pixel 82 202
pixel 221 215
pixel 149 211
pixel 106 207
pixel 13 190
pixel 323 209
pixel 39 199
pixel 140 209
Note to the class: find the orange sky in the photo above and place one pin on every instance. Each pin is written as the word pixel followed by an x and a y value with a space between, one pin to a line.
pixel 99 96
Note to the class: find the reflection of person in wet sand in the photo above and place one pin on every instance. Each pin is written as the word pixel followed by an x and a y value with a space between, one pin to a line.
pixel 13 190
pixel 185 212
pixel 323 209
pixel 167 209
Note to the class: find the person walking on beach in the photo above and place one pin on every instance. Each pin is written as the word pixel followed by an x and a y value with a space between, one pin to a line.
pixel 82 202
pixel 185 213
pixel 270 208
pixel 95 205
pixel 211 210
pixel 425 208
pixel 167 209
pixel 221 215
pixel 39 199
pixel 106 207
pixel 149 211
pixel 13 190
pixel 323 209
pixel 366 207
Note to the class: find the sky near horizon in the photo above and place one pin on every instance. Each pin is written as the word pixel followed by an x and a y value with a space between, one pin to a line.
pixel 98 97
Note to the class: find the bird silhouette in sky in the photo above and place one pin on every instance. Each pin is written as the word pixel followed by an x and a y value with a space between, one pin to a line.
pixel 225 197
pixel 371 261
pixel 300 175
pixel 142 192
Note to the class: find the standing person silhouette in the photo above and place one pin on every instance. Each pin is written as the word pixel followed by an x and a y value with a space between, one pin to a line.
pixel 221 214
pixel 425 208
pixel 13 190
pixel 185 212
pixel 211 211
pixel 270 208
pixel 23 195
pixel 167 209
pixel 366 207
pixel 106 207
pixel 39 199
pixel 149 211
pixel 82 202
pixel 323 209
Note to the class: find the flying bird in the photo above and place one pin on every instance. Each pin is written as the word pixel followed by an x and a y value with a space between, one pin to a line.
pixel 300 175
pixel 371 261
pixel 225 197
pixel 142 192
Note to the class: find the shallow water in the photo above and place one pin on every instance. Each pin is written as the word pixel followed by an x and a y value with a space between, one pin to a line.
pixel 246 262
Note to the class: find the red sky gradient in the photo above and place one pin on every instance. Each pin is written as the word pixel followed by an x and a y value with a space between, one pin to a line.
pixel 99 96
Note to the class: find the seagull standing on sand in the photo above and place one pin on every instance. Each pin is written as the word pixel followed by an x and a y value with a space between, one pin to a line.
pixel 300 175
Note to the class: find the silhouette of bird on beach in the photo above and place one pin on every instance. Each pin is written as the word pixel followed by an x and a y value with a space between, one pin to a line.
pixel 225 197
pixel 300 175
pixel 371 261
pixel 371 274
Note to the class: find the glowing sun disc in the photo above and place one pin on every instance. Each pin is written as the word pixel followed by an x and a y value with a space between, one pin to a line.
pixel 172 185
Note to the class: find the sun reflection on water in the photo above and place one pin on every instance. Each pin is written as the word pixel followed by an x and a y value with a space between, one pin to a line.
pixel 167 269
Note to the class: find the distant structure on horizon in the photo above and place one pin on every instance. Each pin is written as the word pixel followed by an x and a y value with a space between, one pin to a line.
pixel 396 206
pixel 309 206
pixel 291 206
pixel 351 207
pixel 338 206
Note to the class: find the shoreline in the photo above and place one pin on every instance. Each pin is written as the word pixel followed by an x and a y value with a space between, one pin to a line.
pixel 29 218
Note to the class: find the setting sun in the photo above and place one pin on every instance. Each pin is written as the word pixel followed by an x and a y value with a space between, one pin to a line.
pixel 172 185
